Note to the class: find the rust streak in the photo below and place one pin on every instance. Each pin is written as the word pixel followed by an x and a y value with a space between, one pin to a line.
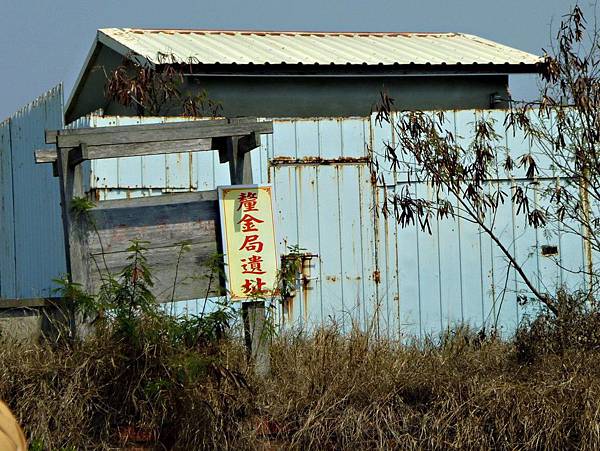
pixel 377 276
pixel 319 161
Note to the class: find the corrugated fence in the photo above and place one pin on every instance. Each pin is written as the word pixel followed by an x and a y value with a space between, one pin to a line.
pixel 31 233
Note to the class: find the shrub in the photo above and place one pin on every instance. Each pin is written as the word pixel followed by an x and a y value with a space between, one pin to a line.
pixel 575 328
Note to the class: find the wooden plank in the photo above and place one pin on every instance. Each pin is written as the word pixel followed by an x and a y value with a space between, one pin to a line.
pixel 165 133
pixel 155 201
pixel 28 302
pixel 51 134
pixel 45 156
pixel 162 225
pixel 146 148
pixel 170 268
pixel 129 150
pixel 165 225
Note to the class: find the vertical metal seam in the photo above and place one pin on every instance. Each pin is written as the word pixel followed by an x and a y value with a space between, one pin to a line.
pixel 339 199
pixel 361 224
pixel 537 242
pixel 460 257
pixel 396 252
pixel 493 250
pixel 337 173
pixel 481 275
pixel 12 187
pixel 419 276
pixel 376 236
pixel 360 229
pixel 317 175
pixel 439 262
pixel 514 237
pixel 341 138
pixel 515 250
pixel 296 169
pixel 260 161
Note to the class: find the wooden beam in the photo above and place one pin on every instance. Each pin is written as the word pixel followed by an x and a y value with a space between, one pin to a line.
pixel 148 127
pixel 28 302
pixel 240 163
pixel 71 184
pixel 50 136
pixel 140 149
pixel 156 201
pixel 45 156
pixel 166 133
pixel 128 150
pixel 249 142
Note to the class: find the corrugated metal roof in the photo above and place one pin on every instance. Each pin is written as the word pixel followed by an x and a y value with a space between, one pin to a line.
pixel 259 47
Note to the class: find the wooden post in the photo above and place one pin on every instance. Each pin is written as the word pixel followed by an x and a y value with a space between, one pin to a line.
pixel 240 163
pixel 71 180
pixel 257 336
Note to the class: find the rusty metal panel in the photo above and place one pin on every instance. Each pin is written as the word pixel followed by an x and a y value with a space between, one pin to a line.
pixel 324 206
pixel 39 254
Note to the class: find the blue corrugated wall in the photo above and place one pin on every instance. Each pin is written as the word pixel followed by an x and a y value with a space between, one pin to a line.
pixel 31 234
pixel 369 271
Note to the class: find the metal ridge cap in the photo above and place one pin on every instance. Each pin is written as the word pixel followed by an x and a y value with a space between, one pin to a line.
pixel 281 32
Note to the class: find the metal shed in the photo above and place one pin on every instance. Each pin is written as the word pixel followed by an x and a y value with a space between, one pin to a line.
pixel 309 74
pixel 399 282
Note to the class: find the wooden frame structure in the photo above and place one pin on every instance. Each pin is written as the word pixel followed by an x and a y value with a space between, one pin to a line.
pixel 98 244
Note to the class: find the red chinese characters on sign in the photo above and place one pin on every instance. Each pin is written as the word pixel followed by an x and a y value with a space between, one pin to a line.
pixel 251 265
pixel 253 287
pixel 252 243
pixel 248 202
pixel 249 223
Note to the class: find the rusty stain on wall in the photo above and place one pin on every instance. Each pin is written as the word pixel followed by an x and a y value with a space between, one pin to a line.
pixel 281 161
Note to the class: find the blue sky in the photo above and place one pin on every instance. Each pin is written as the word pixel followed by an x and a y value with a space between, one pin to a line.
pixel 45 42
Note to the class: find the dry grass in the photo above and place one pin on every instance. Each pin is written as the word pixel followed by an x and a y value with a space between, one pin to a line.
pixel 326 391
pixel 331 392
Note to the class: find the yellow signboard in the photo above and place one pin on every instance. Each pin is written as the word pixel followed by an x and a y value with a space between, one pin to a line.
pixel 248 240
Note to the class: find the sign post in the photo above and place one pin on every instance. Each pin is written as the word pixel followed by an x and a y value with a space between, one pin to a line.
pixel 250 260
